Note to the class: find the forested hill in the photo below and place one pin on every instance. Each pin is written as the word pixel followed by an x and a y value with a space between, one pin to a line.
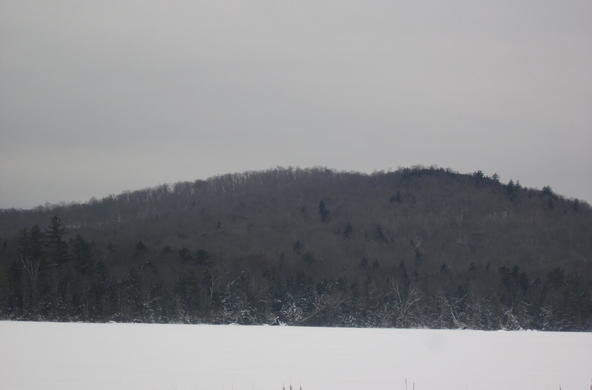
pixel 413 247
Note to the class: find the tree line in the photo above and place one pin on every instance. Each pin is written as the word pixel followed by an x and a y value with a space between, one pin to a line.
pixel 64 280
pixel 412 248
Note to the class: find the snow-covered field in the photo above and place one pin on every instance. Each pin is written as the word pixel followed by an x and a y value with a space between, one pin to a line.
pixel 140 356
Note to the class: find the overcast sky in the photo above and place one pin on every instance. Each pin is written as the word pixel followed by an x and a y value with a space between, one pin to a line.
pixel 102 96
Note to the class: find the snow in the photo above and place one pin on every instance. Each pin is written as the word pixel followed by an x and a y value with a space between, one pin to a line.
pixel 144 356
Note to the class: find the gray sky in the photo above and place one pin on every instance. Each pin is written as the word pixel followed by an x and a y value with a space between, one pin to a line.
pixel 97 97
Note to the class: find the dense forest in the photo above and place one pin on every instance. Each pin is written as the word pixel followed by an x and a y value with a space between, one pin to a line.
pixel 416 247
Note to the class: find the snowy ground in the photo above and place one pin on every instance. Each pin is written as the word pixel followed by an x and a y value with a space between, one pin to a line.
pixel 134 356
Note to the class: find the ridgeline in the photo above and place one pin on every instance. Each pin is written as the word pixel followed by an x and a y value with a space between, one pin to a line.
pixel 416 247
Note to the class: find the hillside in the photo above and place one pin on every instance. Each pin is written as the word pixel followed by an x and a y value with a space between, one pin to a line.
pixel 414 247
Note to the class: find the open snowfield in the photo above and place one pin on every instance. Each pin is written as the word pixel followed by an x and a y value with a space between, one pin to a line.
pixel 140 356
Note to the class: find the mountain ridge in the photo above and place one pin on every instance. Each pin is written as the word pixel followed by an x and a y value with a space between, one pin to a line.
pixel 319 234
pixel 316 169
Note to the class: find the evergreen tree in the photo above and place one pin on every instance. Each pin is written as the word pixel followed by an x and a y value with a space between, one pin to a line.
pixel 347 231
pixel 31 258
pixel 57 249
pixel 323 212
pixel 81 253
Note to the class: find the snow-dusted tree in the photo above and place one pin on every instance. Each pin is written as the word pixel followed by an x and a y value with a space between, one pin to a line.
pixel 30 256
pixel 405 301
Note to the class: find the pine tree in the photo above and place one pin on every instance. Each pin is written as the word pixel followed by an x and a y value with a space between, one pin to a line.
pixel 323 212
pixel 57 249
pixel 81 253
pixel 31 258
pixel 347 231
